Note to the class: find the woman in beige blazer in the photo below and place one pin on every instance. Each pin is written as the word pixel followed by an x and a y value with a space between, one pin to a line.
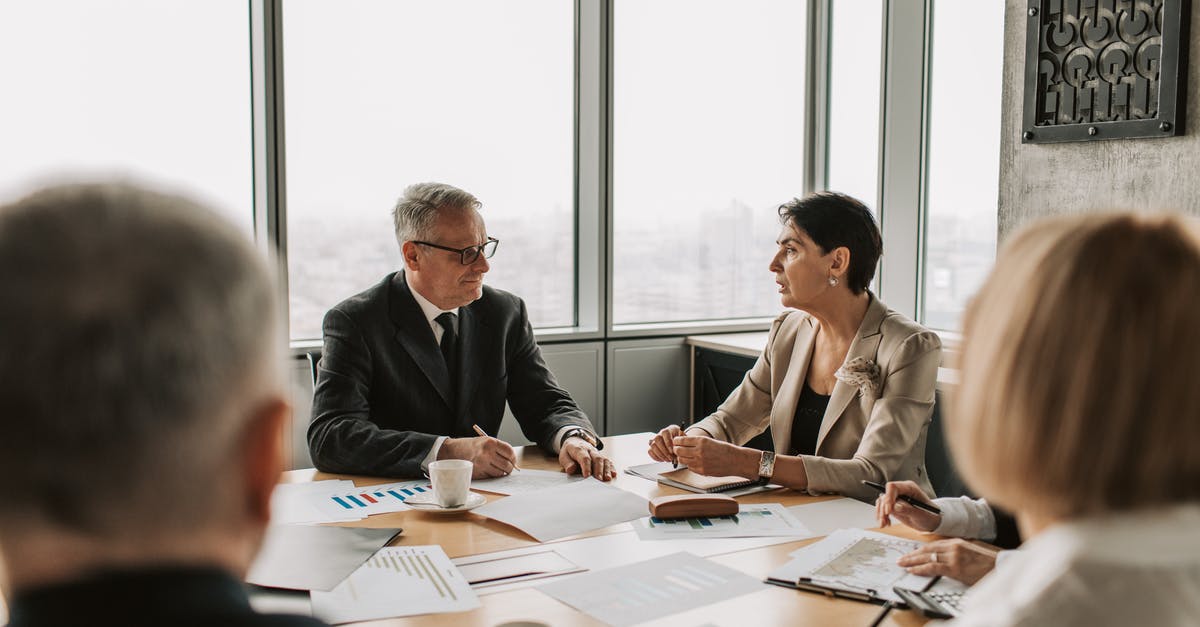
pixel 845 384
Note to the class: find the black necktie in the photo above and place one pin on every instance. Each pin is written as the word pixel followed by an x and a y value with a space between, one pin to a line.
pixel 449 324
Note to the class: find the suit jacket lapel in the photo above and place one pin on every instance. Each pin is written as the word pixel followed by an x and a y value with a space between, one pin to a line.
pixel 866 345
pixel 416 337
pixel 472 355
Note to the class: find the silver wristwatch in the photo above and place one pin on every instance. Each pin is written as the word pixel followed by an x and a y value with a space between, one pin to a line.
pixel 766 467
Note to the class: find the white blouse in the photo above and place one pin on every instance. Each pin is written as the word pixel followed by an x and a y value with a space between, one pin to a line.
pixel 1136 568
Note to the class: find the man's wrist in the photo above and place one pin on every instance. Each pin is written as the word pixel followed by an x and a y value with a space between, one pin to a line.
pixel 581 434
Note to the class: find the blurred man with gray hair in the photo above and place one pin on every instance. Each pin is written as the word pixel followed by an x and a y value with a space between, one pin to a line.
pixel 143 408
pixel 414 364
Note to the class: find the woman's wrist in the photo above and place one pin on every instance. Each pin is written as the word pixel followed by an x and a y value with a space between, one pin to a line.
pixel 749 465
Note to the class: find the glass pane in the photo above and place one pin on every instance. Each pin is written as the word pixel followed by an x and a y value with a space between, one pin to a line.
pixel 964 155
pixel 384 93
pixel 708 139
pixel 855 53
pixel 154 90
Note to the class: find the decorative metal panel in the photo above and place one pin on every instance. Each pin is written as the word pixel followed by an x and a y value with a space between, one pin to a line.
pixel 1104 69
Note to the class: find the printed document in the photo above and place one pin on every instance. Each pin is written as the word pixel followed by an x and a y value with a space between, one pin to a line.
pixel 566 510
pixel 397 581
pixel 762 520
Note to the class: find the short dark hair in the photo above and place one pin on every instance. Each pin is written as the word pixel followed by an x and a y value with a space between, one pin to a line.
pixel 833 220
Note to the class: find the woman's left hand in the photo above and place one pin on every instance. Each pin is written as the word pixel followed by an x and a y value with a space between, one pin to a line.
pixel 714 457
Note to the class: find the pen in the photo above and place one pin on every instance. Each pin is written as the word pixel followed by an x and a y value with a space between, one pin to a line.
pixel 674 459
pixel 932 509
pixel 484 434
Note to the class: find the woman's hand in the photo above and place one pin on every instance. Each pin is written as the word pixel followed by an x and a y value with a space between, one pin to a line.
pixel 715 458
pixel 889 504
pixel 957 558
pixel 661 447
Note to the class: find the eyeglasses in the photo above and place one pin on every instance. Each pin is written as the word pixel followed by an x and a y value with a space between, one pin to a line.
pixel 470 253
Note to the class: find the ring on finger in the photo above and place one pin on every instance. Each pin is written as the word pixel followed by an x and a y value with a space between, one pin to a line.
pixel 933 558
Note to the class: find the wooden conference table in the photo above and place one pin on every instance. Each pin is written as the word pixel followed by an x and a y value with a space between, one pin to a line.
pixel 470 534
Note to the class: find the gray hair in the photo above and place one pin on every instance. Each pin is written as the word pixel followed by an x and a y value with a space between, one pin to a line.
pixel 135 329
pixel 417 210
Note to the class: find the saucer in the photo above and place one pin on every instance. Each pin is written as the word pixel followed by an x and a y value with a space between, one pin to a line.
pixel 427 502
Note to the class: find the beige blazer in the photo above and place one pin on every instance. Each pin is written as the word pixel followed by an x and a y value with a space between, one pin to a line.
pixel 877 435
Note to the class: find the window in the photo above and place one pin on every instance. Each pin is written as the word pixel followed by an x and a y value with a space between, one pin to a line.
pixel 154 90
pixel 856 39
pixel 964 156
pixel 708 140
pixel 384 93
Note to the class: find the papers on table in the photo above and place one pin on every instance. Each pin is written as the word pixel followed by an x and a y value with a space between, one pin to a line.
pixel 339 500
pixel 302 557
pixel 767 519
pixel 852 561
pixel 483 571
pixel 397 581
pixel 566 510
pixel 828 516
pixel 373 499
pixel 526 480
pixel 652 589
pixel 297 503
pixel 650 471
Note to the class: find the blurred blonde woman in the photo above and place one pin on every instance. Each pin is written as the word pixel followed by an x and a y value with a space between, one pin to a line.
pixel 1079 411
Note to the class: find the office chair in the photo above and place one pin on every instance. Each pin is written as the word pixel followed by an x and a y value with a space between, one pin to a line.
pixel 314 358
pixel 938 461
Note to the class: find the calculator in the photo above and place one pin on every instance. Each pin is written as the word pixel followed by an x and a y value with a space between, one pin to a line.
pixel 933 603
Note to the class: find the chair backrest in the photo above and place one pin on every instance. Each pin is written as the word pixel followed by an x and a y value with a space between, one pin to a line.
pixel 938 461
pixel 314 358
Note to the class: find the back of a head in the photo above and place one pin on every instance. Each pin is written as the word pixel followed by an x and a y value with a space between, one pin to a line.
pixel 1077 392
pixel 133 327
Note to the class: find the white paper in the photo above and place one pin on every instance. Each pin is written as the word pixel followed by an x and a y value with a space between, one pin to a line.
pixel 566 510
pixel 751 521
pixel 649 590
pixel 304 557
pixel 397 581
pixel 854 560
pixel 373 499
pixel 650 471
pixel 828 516
pixel 618 549
pixel 297 503
pixel 525 480
pixel 483 571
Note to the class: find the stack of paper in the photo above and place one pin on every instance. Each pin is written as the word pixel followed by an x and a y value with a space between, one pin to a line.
pixel 397 581
pixel 524 481
pixel 860 564
pixel 303 557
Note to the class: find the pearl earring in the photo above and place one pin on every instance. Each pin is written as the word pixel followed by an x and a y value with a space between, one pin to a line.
pixel 833 281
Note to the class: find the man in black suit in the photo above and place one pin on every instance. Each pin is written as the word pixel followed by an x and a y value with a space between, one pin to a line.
pixel 411 365
pixel 142 386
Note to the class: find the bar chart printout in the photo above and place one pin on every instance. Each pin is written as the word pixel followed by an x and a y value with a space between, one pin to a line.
pixel 368 500
pixel 397 581
pixel 628 595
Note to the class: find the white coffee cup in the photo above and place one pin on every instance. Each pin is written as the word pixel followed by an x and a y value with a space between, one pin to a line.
pixel 451 480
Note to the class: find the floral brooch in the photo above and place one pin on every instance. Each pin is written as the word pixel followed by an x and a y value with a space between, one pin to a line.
pixel 861 373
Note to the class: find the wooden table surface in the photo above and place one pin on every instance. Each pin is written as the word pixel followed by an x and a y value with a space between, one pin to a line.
pixel 471 534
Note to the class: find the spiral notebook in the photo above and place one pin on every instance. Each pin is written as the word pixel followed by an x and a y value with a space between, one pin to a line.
pixel 685 479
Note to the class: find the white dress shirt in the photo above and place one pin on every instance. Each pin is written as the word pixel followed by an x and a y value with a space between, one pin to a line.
pixel 431 312
pixel 1134 568
pixel 965 517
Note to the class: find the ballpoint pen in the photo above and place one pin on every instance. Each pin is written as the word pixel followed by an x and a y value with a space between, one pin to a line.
pixel 484 434
pixel 932 509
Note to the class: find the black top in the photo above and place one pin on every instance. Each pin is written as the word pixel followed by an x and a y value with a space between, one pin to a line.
pixel 810 410
pixel 180 597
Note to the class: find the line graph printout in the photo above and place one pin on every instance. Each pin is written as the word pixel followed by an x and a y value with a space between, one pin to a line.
pixel 645 591
pixel 397 581
pixel 761 520
pixel 853 560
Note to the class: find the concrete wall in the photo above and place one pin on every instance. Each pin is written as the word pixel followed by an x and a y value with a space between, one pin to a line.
pixel 1038 180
